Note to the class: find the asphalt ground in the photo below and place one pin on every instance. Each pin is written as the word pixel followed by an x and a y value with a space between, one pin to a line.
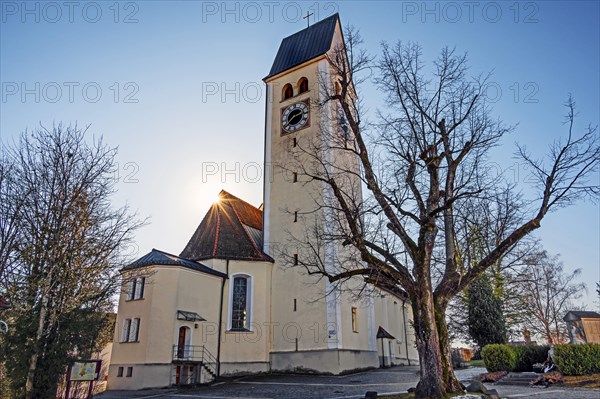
pixel 353 386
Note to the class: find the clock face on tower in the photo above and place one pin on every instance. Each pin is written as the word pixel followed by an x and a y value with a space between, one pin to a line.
pixel 294 117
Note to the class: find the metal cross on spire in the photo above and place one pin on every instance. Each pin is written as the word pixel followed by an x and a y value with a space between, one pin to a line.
pixel 307 17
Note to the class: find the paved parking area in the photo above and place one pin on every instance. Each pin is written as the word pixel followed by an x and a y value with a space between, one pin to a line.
pixel 392 380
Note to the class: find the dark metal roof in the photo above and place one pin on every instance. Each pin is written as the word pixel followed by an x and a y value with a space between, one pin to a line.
pixel 231 229
pixel 382 333
pixel 157 257
pixel 580 314
pixel 189 316
pixel 304 45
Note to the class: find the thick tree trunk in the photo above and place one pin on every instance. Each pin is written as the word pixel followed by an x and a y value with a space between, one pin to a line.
pixel 452 383
pixel 431 384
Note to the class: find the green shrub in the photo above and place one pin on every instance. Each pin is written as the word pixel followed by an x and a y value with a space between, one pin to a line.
pixel 577 359
pixel 527 355
pixel 498 357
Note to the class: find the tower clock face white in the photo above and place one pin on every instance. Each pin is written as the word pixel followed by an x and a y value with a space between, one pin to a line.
pixel 294 117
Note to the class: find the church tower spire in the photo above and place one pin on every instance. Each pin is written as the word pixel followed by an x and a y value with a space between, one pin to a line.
pixel 298 118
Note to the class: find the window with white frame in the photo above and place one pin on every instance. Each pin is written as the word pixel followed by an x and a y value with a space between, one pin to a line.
pixel 131 330
pixel 135 288
pixel 240 300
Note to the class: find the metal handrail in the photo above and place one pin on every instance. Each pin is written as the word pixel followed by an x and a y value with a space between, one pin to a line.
pixel 188 352
pixel 196 353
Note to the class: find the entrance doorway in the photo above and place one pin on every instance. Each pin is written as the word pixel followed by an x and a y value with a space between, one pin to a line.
pixel 183 342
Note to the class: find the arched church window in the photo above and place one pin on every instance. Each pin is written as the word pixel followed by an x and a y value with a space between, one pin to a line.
pixel 302 85
pixel 288 91
pixel 240 299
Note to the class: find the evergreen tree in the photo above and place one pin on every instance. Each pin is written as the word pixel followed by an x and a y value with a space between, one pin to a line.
pixel 485 318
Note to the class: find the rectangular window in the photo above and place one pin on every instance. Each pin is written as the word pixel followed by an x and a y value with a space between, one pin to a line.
pixel 295 177
pixel 126 329
pixel 295 216
pixel 120 372
pixel 130 290
pixel 134 331
pixel 129 371
pixel 135 288
pixel 295 142
pixel 131 330
pixel 294 304
pixel 354 319
pixel 139 288
pixel 295 259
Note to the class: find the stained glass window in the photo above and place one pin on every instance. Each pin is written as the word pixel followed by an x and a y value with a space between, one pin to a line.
pixel 239 304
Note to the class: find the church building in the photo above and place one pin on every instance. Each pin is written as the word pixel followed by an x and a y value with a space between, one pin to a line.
pixel 232 302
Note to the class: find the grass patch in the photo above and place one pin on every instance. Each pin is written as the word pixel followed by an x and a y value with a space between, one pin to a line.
pixel 582 381
pixel 475 363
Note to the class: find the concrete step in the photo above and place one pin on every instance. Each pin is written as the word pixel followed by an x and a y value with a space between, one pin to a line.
pixel 520 379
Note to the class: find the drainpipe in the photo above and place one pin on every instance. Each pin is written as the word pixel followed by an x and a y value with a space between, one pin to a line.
pixel 221 320
pixel 405 333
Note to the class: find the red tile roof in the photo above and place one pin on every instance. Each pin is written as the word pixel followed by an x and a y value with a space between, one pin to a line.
pixel 231 229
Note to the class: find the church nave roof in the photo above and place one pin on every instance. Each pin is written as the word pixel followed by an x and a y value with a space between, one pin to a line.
pixel 231 229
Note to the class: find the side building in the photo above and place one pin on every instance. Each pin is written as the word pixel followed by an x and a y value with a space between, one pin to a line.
pixel 184 321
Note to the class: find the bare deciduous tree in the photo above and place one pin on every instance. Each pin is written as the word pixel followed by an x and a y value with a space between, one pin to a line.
pixel 548 292
pixel 65 244
pixel 423 165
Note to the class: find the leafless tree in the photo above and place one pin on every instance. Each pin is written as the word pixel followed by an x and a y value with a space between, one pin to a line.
pixel 504 274
pixel 422 166
pixel 64 246
pixel 548 292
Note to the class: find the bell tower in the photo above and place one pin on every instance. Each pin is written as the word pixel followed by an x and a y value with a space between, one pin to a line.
pixel 309 315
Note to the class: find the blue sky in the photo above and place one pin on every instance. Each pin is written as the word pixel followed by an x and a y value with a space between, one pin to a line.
pixel 177 86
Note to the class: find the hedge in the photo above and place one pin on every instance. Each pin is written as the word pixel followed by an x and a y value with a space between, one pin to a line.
pixel 577 359
pixel 570 359
pixel 502 357
pixel 498 357
pixel 528 355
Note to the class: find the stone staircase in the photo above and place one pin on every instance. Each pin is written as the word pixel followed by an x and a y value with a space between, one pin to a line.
pixel 519 379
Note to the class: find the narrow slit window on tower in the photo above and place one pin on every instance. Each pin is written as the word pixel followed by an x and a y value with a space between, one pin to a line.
pixel 288 91
pixel 295 304
pixel 354 319
pixel 302 85
pixel 295 176
pixel 294 142
pixel 295 259
pixel 295 216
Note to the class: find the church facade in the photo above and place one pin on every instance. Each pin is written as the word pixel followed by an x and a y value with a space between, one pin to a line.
pixel 233 302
